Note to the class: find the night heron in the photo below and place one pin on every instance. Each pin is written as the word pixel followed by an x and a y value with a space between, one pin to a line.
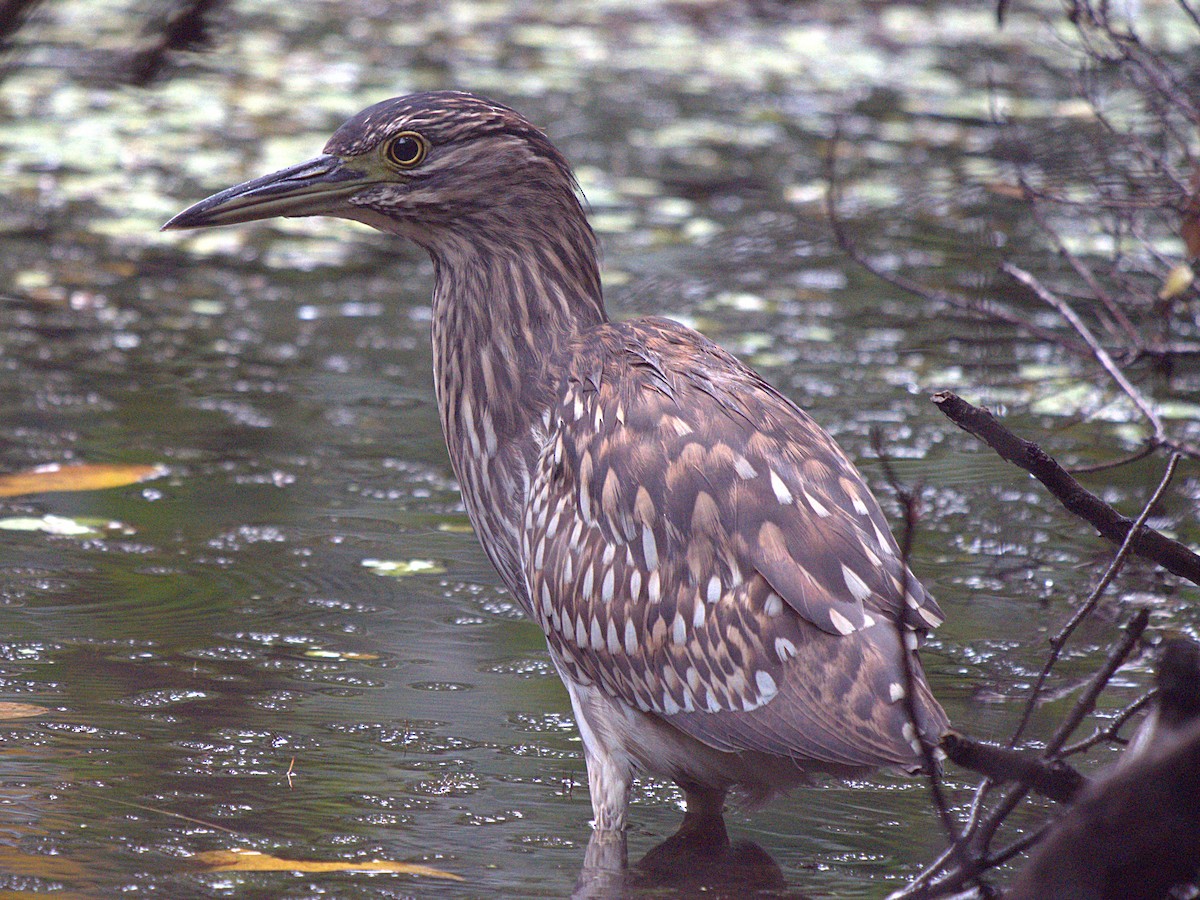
pixel 719 590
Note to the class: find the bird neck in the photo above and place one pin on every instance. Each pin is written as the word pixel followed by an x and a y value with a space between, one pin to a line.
pixel 501 315
pixel 501 322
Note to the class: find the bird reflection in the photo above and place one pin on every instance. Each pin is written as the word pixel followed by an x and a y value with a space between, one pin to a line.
pixel 698 860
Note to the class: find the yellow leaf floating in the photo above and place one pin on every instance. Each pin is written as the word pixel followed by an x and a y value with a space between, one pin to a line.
pixel 83 477
pixel 20 710
pixel 1178 280
pixel 52 868
pixel 399 568
pixel 49 523
pixel 253 861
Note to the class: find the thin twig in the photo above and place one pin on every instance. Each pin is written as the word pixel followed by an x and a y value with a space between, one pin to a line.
pixel 924 879
pixel 909 504
pixel 1023 843
pixel 1112 728
pixel 1173 556
pixel 167 812
pixel 1191 12
pixel 1059 640
pixel 1085 273
pixel 1086 703
pixel 1114 371
pixel 1145 451
pixel 955 879
pixel 980 839
pixel 987 309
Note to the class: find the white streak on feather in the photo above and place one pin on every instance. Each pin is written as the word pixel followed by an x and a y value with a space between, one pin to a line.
pixel 858 588
pixel 679 630
pixel 817 506
pixel 766 685
pixel 932 619
pixel 782 494
pixel 884 544
pixel 840 622
pixel 650 549
pixel 713 593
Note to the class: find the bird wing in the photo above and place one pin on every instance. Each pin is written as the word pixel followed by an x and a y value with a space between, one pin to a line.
pixel 697 546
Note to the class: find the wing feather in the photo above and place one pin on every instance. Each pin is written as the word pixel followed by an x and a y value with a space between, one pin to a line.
pixel 709 555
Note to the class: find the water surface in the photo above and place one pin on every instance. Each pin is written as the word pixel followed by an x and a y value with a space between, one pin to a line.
pixel 223 627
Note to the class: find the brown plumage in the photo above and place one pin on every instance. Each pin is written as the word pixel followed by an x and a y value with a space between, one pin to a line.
pixel 719 590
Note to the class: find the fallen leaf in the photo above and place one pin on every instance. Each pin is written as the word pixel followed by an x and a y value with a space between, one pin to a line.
pixel 20 710
pixel 84 477
pixel 253 861
pixel 398 568
pixel 52 868
pixel 317 653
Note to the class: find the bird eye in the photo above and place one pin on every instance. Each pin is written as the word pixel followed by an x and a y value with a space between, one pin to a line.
pixel 405 149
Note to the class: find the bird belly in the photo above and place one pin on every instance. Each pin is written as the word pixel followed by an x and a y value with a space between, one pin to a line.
pixel 620 740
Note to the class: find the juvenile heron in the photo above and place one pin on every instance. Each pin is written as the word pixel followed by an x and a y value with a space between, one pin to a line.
pixel 719 590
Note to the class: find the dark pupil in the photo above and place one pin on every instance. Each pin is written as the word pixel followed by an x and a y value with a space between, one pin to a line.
pixel 405 150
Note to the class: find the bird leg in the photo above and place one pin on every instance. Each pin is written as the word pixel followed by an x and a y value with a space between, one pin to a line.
pixel 609 778
pixel 606 858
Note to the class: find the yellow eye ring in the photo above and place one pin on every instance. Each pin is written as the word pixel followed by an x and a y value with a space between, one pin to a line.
pixel 405 150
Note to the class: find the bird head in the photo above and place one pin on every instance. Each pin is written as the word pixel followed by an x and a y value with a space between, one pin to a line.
pixel 438 168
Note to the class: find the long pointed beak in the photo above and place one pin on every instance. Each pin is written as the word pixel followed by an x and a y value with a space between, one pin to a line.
pixel 313 188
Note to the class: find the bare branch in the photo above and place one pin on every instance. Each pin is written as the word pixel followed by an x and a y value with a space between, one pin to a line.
pixel 1059 641
pixel 1087 702
pixel 1132 835
pixel 1112 729
pixel 1053 779
pixel 986 309
pixel 1088 276
pixel 1064 309
pixel 1149 544
pixel 955 879
pixel 910 504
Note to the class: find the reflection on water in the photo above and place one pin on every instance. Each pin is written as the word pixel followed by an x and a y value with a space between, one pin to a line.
pixel 221 668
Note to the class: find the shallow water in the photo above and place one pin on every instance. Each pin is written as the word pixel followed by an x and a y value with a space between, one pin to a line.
pixel 222 628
